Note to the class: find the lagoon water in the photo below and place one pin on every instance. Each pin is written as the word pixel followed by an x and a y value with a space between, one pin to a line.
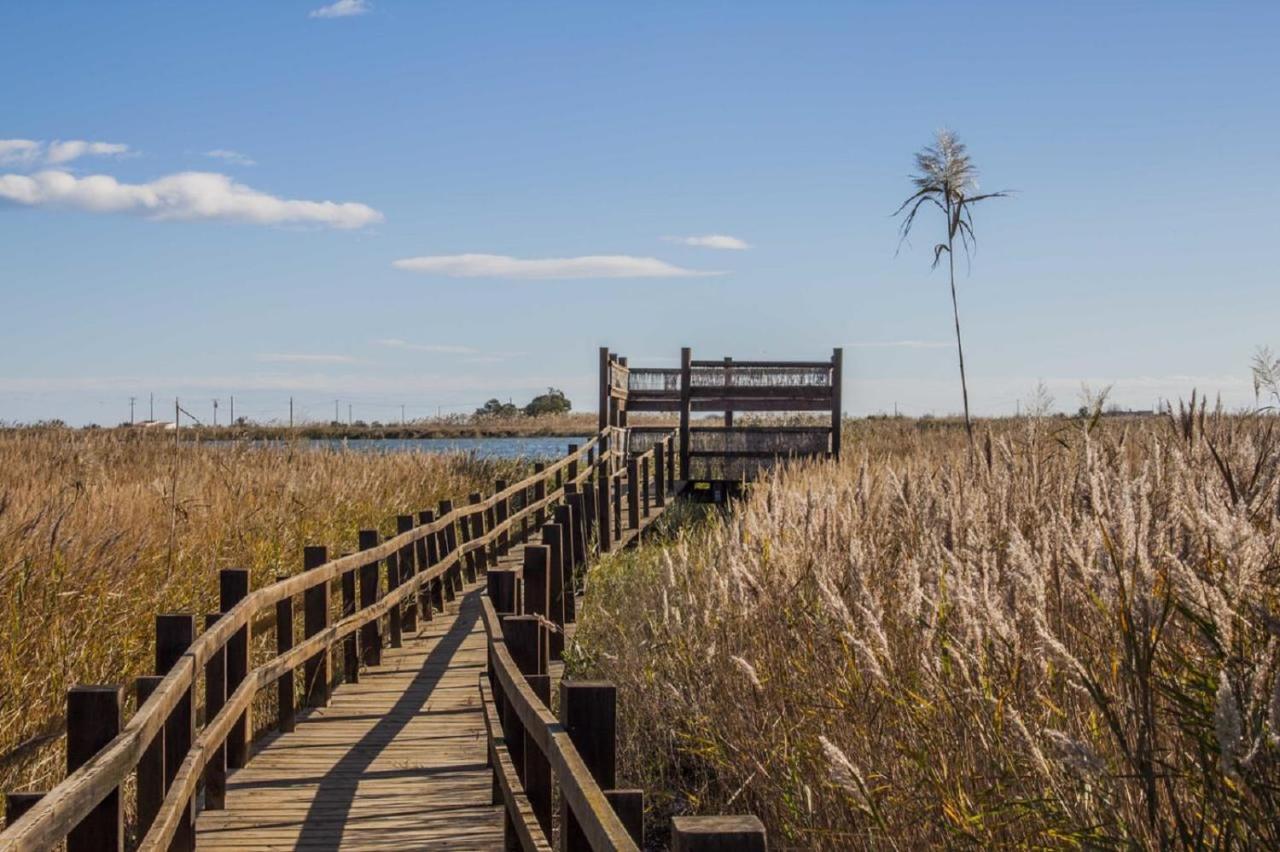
pixel 485 448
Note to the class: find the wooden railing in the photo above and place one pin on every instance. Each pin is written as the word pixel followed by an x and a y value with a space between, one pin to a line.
pixel 531 751
pixel 425 565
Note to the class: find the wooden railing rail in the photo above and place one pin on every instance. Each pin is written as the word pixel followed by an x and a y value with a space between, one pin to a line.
pixel 56 814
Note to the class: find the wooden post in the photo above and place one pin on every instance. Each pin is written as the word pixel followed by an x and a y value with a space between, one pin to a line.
pixel 540 492
pixel 686 394
pixel 450 544
pixel 669 442
pixel 315 617
pixel 660 473
pixel 633 493
pixel 629 806
pixel 573 462
pixel 728 374
pixel 370 635
pixel 433 558
pixel 17 804
pixel 540 586
pixel 151 765
pixel 174 634
pixel 502 590
pixel 578 529
pixel 604 535
pixel 408 567
pixel 618 487
pixel 717 834
pixel 350 653
pixel 285 700
pixel 837 391
pixel 501 512
pixel 589 712
pixel 233 586
pixel 561 589
pixel 394 620
pixel 605 390
pixel 644 484
pixel 93 719
pixel 215 698
pixel 426 609
pixel 473 527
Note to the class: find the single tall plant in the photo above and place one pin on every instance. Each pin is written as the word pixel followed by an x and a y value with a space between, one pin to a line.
pixel 947 179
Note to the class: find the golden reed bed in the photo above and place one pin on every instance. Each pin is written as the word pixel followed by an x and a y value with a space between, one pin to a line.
pixel 1069 637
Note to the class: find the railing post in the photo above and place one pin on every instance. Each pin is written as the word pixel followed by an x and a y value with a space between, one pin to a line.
pixel 573 462
pixel 629 806
pixel 285 700
pixel 540 586
pixel 394 620
pixel 633 493
pixel 93 719
pixel 686 403
pixel 501 512
pixel 553 539
pixel 717 833
pixel 233 586
pixel 350 653
pixel 578 530
pixel 618 487
pixel 315 617
pixel 215 698
pixel 174 634
pixel 434 556
pixel 671 463
pixel 151 765
pixel 502 591
pixel 604 535
pixel 473 526
pixel 589 712
pixel 659 473
pixel 426 609
pixel 17 804
pixel 449 538
pixel 408 567
pixel 540 492
pixel 837 388
pixel 644 485
pixel 370 634
pixel 525 638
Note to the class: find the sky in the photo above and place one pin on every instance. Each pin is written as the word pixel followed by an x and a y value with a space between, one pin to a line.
pixel 428 204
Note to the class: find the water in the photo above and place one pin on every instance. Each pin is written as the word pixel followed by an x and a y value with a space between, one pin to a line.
pixel 538 449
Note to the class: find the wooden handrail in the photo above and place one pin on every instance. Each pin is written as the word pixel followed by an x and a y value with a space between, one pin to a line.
pixel 68 803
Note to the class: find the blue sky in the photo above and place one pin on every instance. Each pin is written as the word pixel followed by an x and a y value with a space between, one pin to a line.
pixel 1141 140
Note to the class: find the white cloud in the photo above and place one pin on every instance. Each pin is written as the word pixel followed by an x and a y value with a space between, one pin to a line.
pixel 229 156
pixel 184 196
pixel 442 348
pixel 29 152
pixel 712 241
pixel 342 9
pixel 303 358
pixel 590 266
pixel 898 344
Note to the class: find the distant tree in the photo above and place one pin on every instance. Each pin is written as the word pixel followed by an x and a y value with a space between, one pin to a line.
pixel 552 402
pixel 947 179
pixel 495 408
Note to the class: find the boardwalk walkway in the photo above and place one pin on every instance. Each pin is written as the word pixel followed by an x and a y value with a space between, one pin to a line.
pixel 396 761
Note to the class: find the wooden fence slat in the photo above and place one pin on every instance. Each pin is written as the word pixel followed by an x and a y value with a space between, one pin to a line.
pixel 215 696
pixel 233 587
pixel 94 716
pixel 174 634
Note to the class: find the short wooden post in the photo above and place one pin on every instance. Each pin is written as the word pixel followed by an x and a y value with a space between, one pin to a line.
pixel 552 538
pixel 629 806
pixel 370 634
pixel 577 528
pixel 215 698
pixel 604 535
pixel 633 493
pixel 233 587
pixel 93 719
pixel 502 590
pixel 17 804
pixel 174 634
pixel 426 610
pixel 525 640
pixel 717 834
pixel 315 617
pixel 660 474
pixel 285 699
pixel 589 712
pixel 433 558
pixel 151 765
pixel 408 568
pixel 538 582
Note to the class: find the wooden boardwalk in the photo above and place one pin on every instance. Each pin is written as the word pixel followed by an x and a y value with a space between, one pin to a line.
pixel 396 761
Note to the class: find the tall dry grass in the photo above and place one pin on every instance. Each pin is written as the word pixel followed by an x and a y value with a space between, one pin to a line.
pixel 1071 638
pixel 100 531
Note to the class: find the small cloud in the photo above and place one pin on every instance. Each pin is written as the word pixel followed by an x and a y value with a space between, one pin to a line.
pixel 897 344
pixel 303 358
pixel 30 152
pixel 442 348
pixel 235 158
pixel 589 266
pixel 712 241
pixel 342 9
pixel 186 196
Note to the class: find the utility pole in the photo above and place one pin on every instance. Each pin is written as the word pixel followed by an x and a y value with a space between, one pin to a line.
pixel 290 412
pixel 233 411
pixel 402 414
pixel 348 414
pixel 131 399
pixel 335 412
pixel 153 408
pixel 215 412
